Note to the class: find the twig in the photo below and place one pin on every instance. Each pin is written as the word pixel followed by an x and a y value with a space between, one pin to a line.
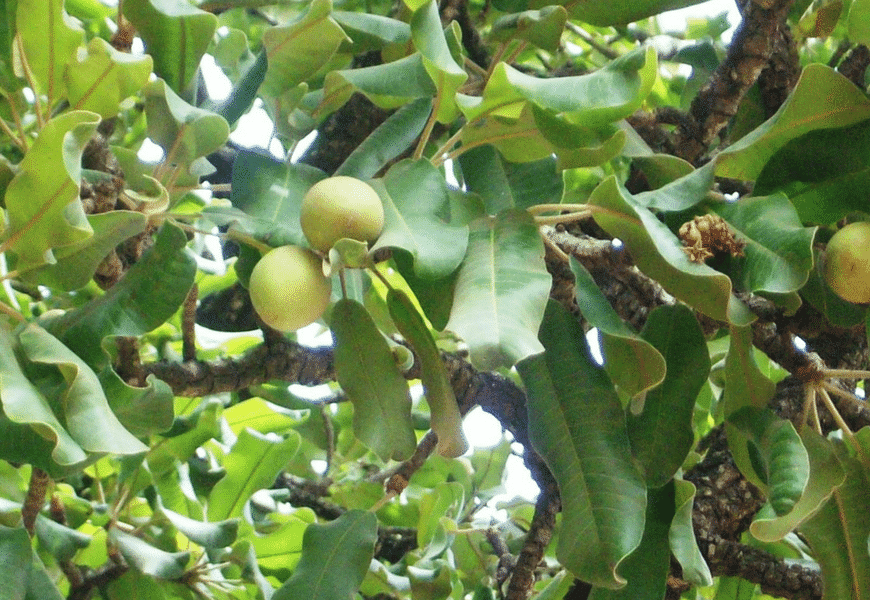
pixel 35 498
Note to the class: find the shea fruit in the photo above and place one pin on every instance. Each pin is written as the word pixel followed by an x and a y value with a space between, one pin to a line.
pixel 340 207
pixel 847 265
pixel 288 288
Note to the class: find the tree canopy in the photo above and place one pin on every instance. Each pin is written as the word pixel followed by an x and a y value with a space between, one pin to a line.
pixel 616 240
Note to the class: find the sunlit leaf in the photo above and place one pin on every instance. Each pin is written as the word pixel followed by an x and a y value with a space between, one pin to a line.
pixel 858 22
pixel 502 290
pixel 577 424
pixel 209 535
pixel 681 193
pixel 371 31
pixel 49 38
pixel 335 558
pixel 147 559
pixel 368 374
pixel 429 39
pixel 542 28
pixel 279 550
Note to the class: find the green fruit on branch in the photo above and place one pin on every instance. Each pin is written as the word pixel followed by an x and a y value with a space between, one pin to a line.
pixel 341 207
pixel 847 265
pixel 288 288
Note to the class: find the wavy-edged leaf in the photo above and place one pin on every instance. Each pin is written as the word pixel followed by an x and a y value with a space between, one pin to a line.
pixel 208 535
pixel 335 558
pixel 577 424
pixel 77 262
pixel 838 532
pixel 279 550
pixel 266 198
pixel 662 169
pixel 149 293
pixel 101 77
pixel 42 199
pixel 634 364
pixel 252 464
pixel 414 195
pixel 502 290
pixel 684 546
pixel 681 193
pixel 775 452
pixel 371 31
pixel 826 474
pixel 389 140
pixel 542 28
pixel 181 128
pixel 577 145
pixel 446 421
pixel 778 255
pixel 176 35
pixel 49 38
pixel 662 434
pixel 447 75
pixel 59 540
pixel 368 374
pixel 659 254
pixel 602 12
pixel 807 108
pixel 745 384
pixel 147 559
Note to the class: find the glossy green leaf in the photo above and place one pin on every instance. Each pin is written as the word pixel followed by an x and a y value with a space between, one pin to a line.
pixel 176 35
pixel 745 384
pixel 22 572
pixel 662 169
pixel 149 293
pixel 502 290
pixel 252 464
pixel 392 137
pixel 826 474
pixel 368 374
pixel 59 540
pixel 444 502
pixel 575 145
pixel 414 194
pixel 806 109
pixel 371 31
pixel 659 254
pixel 184 130
pixel 266 198
pixel 634 364
pixel 517 139
pixel 680 194
pixel 245 89
pixel 858 22
pixel 49 173
pixel 100 78
pixel 446 421
pixel 49 38
pixel 542 28
pixel 447 75
pixel 646 569
pixel 434 295
pixel 208 535
pixel 577 424
pixel 838 532
pixel 295 52
pixel 820 18
pixel 335 558
pixel 603 12
pixel 662 434
pixel 279 550
pixel 776 454
pixel 779 249
pixel 77 262
pixel 684 546
pixel 200 427
pixel 147 559
pixel 557 588
pixel 259 415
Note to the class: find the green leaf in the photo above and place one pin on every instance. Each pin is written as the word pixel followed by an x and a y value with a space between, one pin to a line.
pixel 389 140
pixel 826 474
pixel 149 293
pixel 49 38
pixel 680 194
pixel 414 194
pixel 577 424
pixel 16 561
pixel 208 535
pixel 184 130
pixel 245 90
pixel 176 35
pixel 502 290
pixel 266 198
pixel 252 464
pixel 59 540
pixel 371 31
pixel 662 434
pixel 659 254
pixel 633 364
pixel 442 504
pixel 745 384
pixel 77 262
pixel 279 550
pixel 858 22
pixel 335 558
pixel 603 12
pixel 806 109
pixel 101 77
pixel 779 249
pixel 542 28
pixel 838 532
pixel 50 174
pixel 446 421
pixel 368 374
pixel 684 546
pixel 447 75
pixel 775 452
pixel 147 559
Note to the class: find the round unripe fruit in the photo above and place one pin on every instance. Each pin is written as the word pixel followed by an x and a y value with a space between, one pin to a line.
pixel 288 288
pixel 341 207
pixel 847 265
